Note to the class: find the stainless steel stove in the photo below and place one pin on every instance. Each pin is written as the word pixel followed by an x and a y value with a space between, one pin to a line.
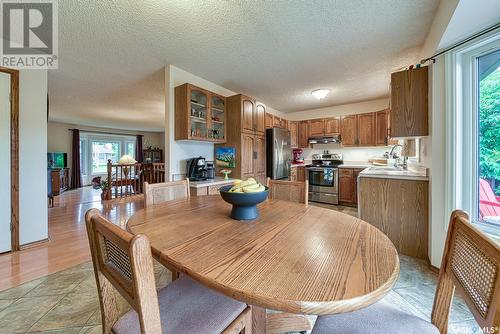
pixel 323 177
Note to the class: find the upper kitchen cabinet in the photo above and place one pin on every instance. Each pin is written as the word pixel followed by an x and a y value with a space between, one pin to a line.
pixel 247 114
pixel 332 126
pixel 293 127
pixel 366 129
pixel 199 114
pixel 269 120
pixel 382 128
pixel 316 127
pixel 260 118
pixel 349 130
pixel 409 113
pixel 303 135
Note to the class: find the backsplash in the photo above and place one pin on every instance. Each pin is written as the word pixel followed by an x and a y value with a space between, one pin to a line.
pixel 349 153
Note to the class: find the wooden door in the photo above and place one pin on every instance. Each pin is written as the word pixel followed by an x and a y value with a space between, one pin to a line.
pixel 381 124
pixel 293 174
pixel 366 129
pixel 293 127
pixel 332 126
pixel 247 118
pixel 247 155
pixel 316 128
pixel 303 134
pixel 260 159
pixel 346 185
pixel 269 120
pixel 409 103
pixel 260 119
pixel 349 130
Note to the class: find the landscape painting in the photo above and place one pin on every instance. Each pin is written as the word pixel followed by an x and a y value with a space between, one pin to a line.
pixel 225 157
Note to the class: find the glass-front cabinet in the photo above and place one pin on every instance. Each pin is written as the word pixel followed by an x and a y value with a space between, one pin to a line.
pixel 199 114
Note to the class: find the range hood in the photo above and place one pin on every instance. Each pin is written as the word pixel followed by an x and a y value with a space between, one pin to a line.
pixel 324 140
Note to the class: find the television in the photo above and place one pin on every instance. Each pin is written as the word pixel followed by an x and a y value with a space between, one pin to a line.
pixel 57 160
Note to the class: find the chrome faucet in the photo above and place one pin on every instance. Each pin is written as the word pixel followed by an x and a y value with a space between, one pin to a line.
pixel 392 154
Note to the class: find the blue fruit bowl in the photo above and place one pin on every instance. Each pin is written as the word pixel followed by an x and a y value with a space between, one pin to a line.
pixel 244 204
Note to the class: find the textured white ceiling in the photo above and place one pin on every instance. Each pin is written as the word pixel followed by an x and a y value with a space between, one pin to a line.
pixel 112 53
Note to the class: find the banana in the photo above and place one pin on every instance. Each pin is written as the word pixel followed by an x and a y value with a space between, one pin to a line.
pixel 248 186
pixel 259 189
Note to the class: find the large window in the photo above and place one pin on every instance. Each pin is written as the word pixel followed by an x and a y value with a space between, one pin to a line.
pixel 488 85
pixel 474 145
pixel 97 149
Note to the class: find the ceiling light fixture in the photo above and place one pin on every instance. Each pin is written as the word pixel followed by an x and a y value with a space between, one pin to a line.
pixel 320 93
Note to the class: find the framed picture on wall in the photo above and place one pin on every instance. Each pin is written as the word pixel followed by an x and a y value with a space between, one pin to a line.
pixel 225 157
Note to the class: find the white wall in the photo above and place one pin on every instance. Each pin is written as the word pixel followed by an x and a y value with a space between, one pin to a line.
pixel 350 154
pixel 344 109
pixel 179 151
pixel 33 222
pixel 59 137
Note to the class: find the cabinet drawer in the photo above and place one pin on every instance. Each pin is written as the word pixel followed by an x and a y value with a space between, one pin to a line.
pixel 346 172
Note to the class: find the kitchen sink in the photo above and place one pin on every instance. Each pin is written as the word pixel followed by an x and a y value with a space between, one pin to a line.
pixel 386 168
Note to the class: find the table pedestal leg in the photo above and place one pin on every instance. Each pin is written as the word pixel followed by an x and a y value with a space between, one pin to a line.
pixel 277 323
pixel 258 320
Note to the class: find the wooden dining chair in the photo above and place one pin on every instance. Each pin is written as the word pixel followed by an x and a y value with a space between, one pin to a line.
pixel 123 262
pixel 294 191
pixel 470 265
pixel 157 193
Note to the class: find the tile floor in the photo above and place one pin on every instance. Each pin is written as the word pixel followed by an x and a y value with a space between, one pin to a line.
pixel 66 302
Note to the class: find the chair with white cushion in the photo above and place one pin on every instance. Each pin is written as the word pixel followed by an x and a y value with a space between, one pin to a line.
pixel 471 264
pixel 123 262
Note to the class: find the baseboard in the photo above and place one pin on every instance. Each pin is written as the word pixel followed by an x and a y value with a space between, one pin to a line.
pixel 34 244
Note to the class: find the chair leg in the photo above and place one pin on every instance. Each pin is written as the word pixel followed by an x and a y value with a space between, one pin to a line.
pixel 175 274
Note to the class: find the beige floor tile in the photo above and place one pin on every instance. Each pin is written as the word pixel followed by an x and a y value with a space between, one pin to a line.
pixel 414 272
pixel 74 310
pixel 20 291
pixel 6 302
pixel 59 283
pixel 73 330
pixel 91 330
pixel 23 313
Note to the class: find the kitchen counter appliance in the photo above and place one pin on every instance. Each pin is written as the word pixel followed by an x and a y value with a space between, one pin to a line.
pixel 323 177
pixel 197 169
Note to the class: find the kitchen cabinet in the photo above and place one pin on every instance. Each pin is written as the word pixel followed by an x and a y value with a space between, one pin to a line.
pixel 332 126
pixel 248 118
pixel 298 173
pixel 293 127
pixel 400 209
pixel 348 185
pixel 349 130
pixel 316 128
pixel 366 129
pixel 260 118
pixel 409 112
pixel 246 135
pixel 276 122
pixel 269 120
pixel 199 114
pixel 382 128
pixel 303 134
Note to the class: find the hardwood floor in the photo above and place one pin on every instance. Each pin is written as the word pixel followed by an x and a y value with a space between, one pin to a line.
pixel 68 245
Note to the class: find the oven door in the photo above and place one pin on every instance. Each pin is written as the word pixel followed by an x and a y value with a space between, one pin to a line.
pixel 323 179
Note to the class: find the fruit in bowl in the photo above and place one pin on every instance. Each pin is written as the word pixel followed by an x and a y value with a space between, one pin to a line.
pixel 244 196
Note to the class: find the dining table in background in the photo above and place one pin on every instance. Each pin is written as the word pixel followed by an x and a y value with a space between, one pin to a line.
pixel 294 258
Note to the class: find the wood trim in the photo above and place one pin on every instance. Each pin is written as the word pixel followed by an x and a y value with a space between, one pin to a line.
pixel 14 155
pixel 34 244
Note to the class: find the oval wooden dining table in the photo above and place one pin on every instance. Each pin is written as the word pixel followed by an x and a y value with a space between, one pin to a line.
pixel 293 258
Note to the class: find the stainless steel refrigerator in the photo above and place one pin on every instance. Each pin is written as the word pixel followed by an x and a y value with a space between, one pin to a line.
pixel 278 153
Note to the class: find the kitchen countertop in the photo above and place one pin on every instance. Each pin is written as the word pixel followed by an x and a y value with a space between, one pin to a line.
pixel 355 164
pixel 210 182
pixel 412 173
